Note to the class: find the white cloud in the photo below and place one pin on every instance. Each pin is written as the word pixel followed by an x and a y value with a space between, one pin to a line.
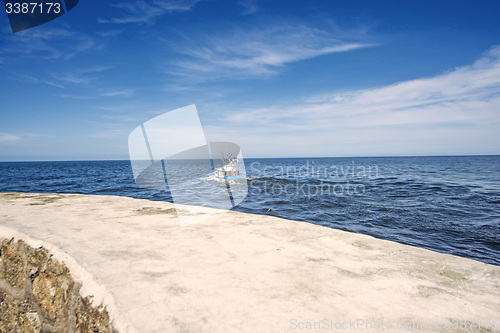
pixel 458 112
pixel 72 96
pixel 143 11
pixel 46 43
pixel 33 80
pixel 125 93
pixel 6 138
pixel 259 50
pixel 79 76
pixel 37 135
pixel 249 6
pixel 124 118
pixel 110 33
pixel 109 134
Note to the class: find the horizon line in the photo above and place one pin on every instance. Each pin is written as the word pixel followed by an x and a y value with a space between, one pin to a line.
pixel 308 157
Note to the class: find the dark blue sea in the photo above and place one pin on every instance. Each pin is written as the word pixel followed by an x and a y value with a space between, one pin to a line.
pixel 447 204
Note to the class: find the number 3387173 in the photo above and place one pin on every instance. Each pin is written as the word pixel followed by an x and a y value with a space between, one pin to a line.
pixel 33 7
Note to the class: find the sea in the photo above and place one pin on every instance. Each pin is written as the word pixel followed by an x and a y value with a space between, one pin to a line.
pixel 449 204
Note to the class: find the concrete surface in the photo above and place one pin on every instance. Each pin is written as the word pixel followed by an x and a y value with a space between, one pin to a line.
pixel 239 272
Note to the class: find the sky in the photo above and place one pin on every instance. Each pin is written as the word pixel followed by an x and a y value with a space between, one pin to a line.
pixel 279 78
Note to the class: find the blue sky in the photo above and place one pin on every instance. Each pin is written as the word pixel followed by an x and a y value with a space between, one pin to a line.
pixel 280 78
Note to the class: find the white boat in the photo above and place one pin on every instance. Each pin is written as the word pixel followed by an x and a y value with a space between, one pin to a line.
pixel 228 169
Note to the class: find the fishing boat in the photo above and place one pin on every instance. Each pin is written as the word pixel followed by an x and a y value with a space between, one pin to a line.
pixel 228 169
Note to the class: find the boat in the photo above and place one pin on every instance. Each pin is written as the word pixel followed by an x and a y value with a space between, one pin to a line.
pixel 228 169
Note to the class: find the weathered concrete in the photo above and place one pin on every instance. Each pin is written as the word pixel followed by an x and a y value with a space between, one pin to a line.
pixel 245 273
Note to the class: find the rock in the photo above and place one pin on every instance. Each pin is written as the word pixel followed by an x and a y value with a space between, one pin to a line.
pixel 30 322
pixel 55 267
pixel 11 264
pixel 90 320
pixel 14 315
pixel 7 316
pixel 36 256
pixel 51 293
pixel 50 300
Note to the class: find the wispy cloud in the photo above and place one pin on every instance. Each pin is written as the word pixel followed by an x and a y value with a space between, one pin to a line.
pixel 23 138
pixel 80 75
pixel 72 96
pixel 452 112
pixel 124 118
pixel 33 80
pixel 46 43
pixel 249 6
pixel 143 11
pixel 108 134
pixel 110 33
pixel 37 135
pixel 259 50
pixel 6 138
pixel 125 93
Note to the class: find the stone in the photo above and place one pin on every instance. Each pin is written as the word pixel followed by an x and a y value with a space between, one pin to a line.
pixel 51 293
pixel 30 322
pixel 11 264
pixel 90 319
pixel 11 314
pixel 50 300
pixel 36 256
pixel 55 267
pixel 6 314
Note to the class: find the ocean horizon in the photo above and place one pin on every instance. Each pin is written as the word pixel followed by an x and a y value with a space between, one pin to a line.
pixel 263 158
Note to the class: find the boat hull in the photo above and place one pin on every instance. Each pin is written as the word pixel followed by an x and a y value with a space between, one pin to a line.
pixel 231 177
